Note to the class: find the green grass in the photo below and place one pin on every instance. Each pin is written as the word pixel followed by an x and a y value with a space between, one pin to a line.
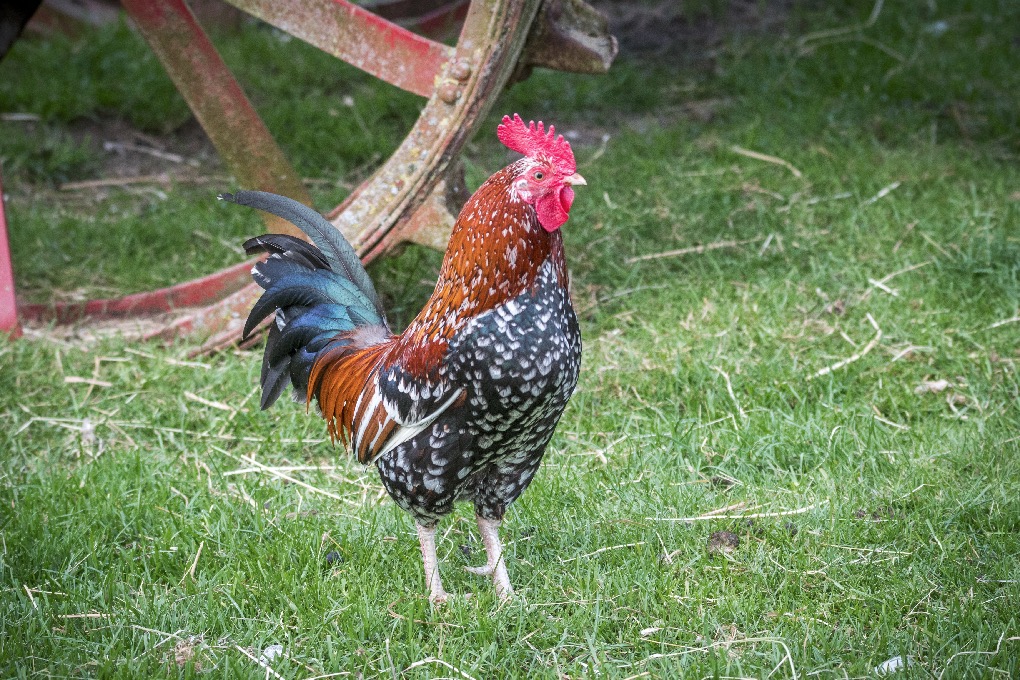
pixel 128 549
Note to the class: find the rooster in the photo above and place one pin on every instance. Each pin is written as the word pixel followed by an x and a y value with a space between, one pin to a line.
pixel 461 405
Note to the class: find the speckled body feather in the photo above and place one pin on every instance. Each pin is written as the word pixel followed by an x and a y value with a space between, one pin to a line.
pixel 518 363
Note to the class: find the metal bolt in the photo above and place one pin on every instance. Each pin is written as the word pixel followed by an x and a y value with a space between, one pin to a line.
pixel 461 70
pixel 449 92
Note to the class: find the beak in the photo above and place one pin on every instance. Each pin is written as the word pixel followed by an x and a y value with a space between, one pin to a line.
pixel 576 180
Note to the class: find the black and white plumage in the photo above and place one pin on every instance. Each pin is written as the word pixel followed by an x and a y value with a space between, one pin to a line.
pixel 518 364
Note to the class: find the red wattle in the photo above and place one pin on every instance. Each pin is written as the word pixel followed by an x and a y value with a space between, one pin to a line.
pixel 554 209
pixel 567 197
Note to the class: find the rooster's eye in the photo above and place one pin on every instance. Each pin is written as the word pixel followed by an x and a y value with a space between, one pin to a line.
pixel 539 175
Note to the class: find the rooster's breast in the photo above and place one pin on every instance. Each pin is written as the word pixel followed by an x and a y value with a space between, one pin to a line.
pixel 518 364
pixel 519 361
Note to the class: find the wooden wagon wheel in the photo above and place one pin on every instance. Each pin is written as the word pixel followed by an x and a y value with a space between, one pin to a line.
pixel 414 195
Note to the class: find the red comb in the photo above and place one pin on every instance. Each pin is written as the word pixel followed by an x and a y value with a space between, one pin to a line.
pixel 532 141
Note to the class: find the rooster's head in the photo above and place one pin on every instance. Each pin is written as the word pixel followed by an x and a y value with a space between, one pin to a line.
pixel 548 174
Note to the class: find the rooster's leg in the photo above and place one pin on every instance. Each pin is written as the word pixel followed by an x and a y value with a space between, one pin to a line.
pixel 495 565
pixel 427 539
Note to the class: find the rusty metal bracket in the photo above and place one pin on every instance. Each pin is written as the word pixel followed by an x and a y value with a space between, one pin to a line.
pixel 569 35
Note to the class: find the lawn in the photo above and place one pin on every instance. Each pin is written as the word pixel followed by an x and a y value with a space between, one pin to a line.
pixel 797 267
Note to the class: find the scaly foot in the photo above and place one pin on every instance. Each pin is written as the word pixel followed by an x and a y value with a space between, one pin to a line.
pixel 495 565
pixel 427 540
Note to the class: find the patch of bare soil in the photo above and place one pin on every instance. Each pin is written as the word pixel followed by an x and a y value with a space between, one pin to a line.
pixel 673 33
pixel 669 29
pixel 126 153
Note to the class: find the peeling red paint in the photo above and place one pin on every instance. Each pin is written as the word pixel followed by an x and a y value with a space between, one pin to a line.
pixel 359 37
